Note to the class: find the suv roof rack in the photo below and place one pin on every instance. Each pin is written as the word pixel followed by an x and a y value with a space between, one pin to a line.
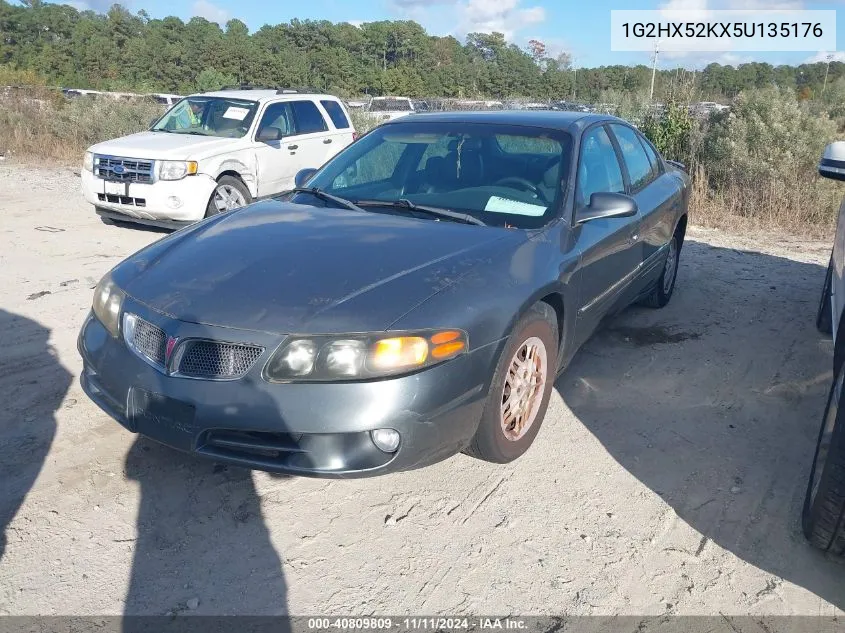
pixel 247 87
pixel 279 90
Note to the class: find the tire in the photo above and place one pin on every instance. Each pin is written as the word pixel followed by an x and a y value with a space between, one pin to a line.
pixel 662 291
pixel 231 193
pixel 823 517
pixel 536 330
pixel 824 318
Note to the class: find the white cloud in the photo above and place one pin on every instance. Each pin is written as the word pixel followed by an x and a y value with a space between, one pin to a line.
pixel 356 23
pixel 503 16
pixel 100 6
pixel 821 56
pixel 211 12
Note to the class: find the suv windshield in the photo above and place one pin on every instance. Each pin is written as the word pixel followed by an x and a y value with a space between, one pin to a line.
pixel 208 116
pixel 501 174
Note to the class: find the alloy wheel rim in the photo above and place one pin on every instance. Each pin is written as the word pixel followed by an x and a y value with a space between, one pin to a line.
pixel 227 198
pixel 523 389
pixel 826 437
pixel 671 265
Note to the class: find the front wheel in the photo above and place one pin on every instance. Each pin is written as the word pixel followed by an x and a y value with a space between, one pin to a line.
pixel 230 194
pixel 520 389
pixel 823 517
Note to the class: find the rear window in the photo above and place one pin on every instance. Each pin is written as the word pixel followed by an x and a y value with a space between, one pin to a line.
pixel 308 117
pixel 336 114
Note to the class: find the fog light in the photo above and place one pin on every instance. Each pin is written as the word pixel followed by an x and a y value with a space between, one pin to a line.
pixel 386 440
pixel 174 202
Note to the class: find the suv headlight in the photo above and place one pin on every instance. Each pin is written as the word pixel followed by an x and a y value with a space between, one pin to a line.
pixel 108 300
pixel 176 169
pixel 88 162
pixel 362 356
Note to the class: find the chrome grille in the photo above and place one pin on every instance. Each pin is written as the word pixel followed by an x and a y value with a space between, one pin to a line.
pixel 123 169
pixel 150 341
pixel 211 359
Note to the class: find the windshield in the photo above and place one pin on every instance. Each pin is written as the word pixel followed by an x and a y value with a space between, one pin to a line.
pixel 503 175
pixel 208 116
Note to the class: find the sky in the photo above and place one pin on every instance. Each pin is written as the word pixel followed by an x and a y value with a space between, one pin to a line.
pixel 579 27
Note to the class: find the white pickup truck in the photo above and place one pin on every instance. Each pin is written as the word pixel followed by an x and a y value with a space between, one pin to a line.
pixel 214 152
pixel 388 108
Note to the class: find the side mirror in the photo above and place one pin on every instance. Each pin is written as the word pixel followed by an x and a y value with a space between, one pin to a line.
pixel 832 164
pixel 607 205
pixel 269 134
pixel 303 176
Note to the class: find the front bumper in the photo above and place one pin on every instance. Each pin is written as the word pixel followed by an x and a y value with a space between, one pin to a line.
pixel 320 430
pixel 143 201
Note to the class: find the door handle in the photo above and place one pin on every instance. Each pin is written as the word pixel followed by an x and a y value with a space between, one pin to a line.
pixel 326 141
pixel 293 146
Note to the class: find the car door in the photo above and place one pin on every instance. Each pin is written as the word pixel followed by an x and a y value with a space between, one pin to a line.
pixel 276 160
pixel 658 195
pixel 342 133
pixel 314 140
pixel 609 257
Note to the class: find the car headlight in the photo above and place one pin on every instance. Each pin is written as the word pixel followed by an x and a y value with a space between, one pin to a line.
pixel 362 356
pixel 108 299
pixel 88 162
pixel 176 169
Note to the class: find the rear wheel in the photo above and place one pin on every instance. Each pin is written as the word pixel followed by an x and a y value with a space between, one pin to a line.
pixel 520 389
pixel 230 194
pixel 823 518
pixel 662 292
pixel 824 318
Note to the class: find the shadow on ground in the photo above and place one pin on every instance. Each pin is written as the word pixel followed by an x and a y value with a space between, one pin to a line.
pixel 715 403
pixel 202 544
pixel 33 383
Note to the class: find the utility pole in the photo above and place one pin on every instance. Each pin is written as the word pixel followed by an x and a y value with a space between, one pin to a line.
pixel 574 77
pixel 654 68
pixel 827 70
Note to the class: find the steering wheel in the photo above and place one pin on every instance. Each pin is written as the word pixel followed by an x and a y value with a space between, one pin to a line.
pixel 523 184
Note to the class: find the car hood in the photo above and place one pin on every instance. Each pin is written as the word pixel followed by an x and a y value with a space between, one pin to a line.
pixel 163 146
pixel 283 268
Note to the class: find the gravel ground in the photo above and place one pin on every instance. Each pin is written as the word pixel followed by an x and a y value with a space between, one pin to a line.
pixel 668 476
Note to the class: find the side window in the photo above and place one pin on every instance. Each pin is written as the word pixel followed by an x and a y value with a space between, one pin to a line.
pixel 639 167
pixel 278 115
pixel 336 114
pixel 598 167
pixel 308 118
pixel 652 157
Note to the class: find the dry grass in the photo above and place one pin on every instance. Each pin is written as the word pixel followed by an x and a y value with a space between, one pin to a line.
pixel 807 207
pixel 41 125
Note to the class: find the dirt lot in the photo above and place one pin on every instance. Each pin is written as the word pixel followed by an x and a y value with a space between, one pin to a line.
pixel 668 476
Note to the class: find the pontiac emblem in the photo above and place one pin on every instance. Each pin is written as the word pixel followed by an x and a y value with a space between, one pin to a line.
pixel 171 344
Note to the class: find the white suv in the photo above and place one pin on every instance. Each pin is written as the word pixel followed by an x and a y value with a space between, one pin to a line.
pixel 214 152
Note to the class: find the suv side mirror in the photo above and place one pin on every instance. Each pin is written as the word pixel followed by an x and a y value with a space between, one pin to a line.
pixel 607 205
pixel 269 134
pixel 303 176
pixel 832 164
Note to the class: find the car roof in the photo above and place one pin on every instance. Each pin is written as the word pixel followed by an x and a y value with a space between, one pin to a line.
pixel 556 120
pixel 264 95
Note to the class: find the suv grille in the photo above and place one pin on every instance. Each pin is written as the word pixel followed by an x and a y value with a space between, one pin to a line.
pixel 210 359
pixel 150 341
pixel 123 169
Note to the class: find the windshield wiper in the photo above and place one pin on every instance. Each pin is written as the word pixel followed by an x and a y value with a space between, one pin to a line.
pixel 438 212
pixel 319 193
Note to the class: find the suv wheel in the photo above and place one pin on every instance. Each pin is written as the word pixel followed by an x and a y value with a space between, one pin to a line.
pixel 231 193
